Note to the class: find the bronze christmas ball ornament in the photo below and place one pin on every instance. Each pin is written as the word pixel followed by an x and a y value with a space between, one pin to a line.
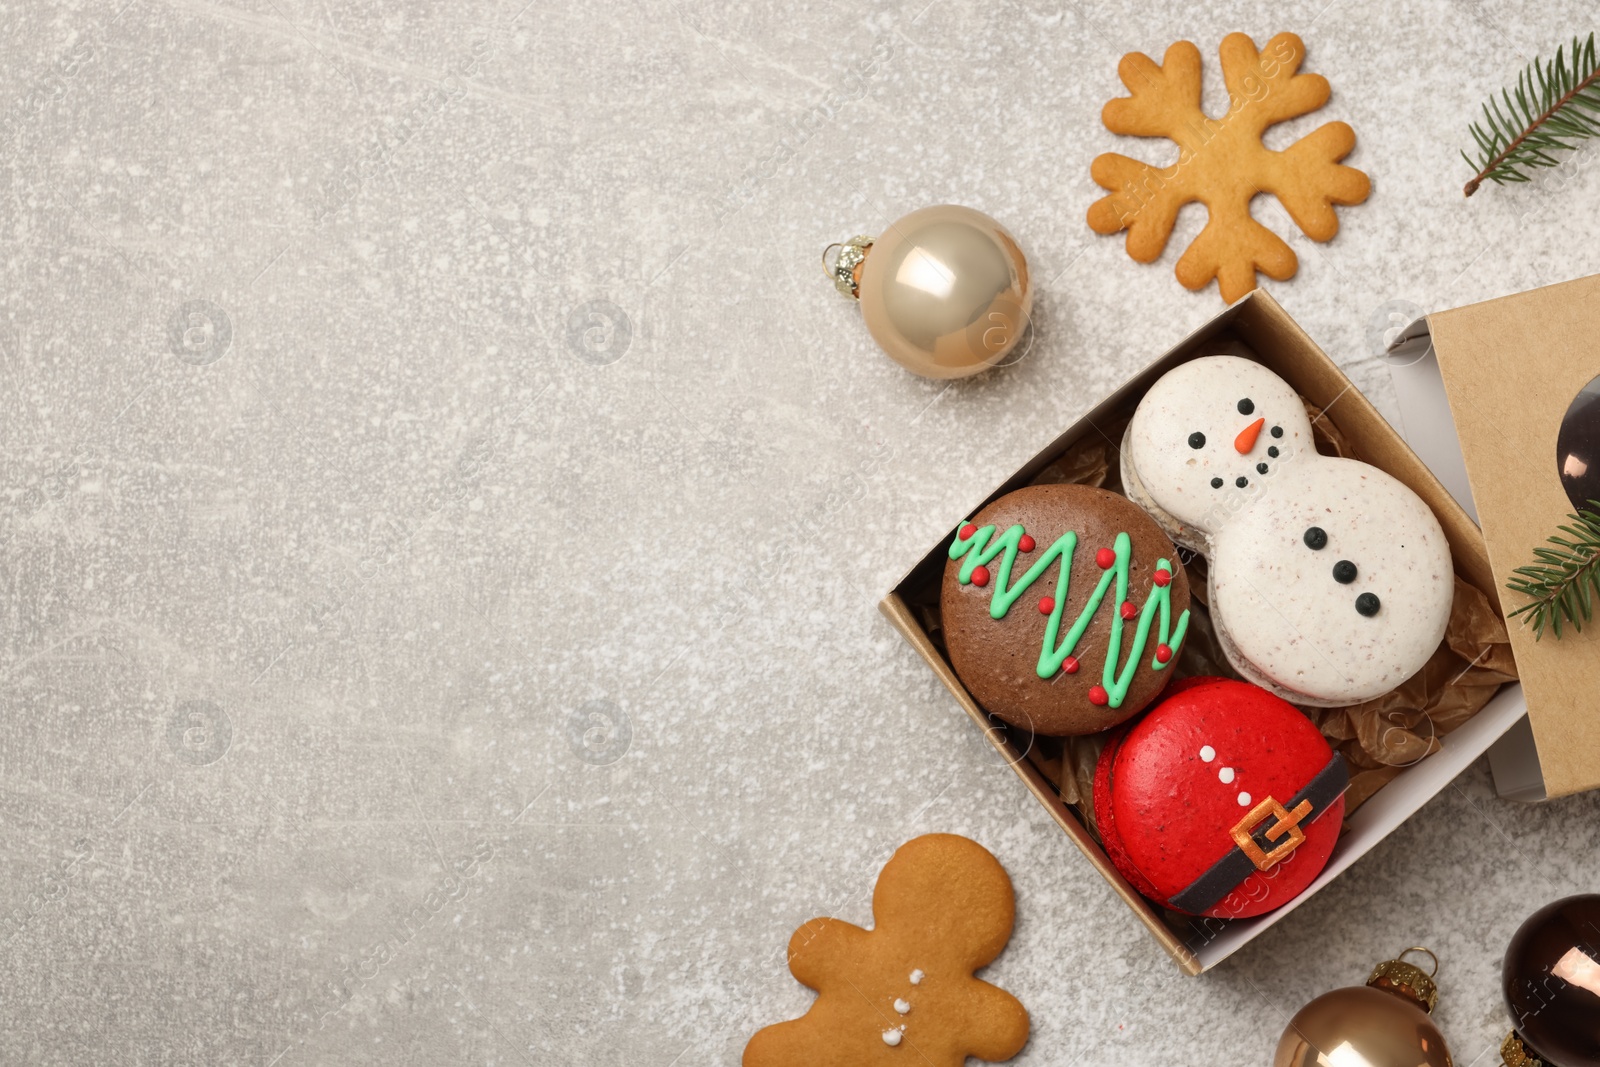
pixel 945 291
pixel 1551 982
pixel 1382 1024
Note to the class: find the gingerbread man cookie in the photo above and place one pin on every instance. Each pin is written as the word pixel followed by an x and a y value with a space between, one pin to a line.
pixel 903 993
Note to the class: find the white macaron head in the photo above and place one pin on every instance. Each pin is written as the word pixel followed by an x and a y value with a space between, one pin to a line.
pixel 1209 438
pixel 1334 586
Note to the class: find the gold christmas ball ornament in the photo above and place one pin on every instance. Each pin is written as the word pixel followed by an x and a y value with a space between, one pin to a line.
pixel 945 291
pixel 1382 1024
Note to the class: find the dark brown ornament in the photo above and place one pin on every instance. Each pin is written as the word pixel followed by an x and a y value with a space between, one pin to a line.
pixel 1578 447
pixel 1551 981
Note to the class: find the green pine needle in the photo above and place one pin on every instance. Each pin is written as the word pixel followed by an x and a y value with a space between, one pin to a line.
pixel 1564 580
pixel 1555 105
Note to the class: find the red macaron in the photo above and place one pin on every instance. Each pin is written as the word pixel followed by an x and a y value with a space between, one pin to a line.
pixel 1223 801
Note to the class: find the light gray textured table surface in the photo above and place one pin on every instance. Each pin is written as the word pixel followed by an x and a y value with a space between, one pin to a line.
pixel 402 665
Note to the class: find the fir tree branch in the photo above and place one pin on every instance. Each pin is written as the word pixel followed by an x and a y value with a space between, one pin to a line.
pixel 1563 581
pixel 1556 103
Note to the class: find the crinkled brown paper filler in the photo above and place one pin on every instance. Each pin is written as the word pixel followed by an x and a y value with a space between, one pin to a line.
pixel 1379 738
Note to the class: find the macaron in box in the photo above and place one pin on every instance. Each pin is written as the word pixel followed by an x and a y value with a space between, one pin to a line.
pixel 1223 801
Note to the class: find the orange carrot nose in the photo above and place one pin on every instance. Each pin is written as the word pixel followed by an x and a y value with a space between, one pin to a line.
pixel 1247 437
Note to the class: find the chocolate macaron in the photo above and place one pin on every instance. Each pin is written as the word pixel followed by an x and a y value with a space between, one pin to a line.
pixel 1064 606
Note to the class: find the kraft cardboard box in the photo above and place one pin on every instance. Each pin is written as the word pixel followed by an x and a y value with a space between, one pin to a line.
pixel 1256 327
pixel 1508 369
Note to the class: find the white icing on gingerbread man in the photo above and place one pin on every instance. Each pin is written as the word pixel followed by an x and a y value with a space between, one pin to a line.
pixel 1330 581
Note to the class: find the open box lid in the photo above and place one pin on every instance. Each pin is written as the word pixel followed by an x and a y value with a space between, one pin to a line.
pixel 1510 368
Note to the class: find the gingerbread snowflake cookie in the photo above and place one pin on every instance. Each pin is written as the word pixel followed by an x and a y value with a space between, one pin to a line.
pixel 1223 162
pixel 903 992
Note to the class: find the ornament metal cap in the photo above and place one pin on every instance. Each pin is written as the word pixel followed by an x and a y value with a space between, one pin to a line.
pixel 845 270
pixel 1514 1054
pixel 1407 980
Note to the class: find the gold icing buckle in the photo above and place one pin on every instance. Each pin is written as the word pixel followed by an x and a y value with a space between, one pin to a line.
pixel 1288 822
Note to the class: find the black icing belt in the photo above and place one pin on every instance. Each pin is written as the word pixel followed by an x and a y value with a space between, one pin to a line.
pixel 1224 876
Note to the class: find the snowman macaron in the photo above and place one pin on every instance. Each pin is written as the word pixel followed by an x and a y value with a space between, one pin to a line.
pixel 1330 581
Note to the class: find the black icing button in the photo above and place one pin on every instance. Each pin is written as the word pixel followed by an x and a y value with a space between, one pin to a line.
pixel 1247 406
pixel 1367 604
pixel 1316 537
pixel 1344 572
pixel 1197 440
pixel 1273 452
pixel 1241 481
pixel 1277 431
pixel 1216 483
pixel 1261 468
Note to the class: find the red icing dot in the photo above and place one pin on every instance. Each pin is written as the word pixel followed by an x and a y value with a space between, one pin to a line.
pixel 1128 610
pixel 967 531
pixel 1106 559
pixel 1047 604
pixel 1097 696
pixel 1070 665
pixel 1163 654
pixel 980 576
pixel 1025 544
pixel 1162 577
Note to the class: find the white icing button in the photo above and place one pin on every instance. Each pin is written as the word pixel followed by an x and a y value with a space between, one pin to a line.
pixel 891 1037
pixel 902 1006
pixel 1244 800
pixel 1226 774
pixel 916 977
pixel 1208 753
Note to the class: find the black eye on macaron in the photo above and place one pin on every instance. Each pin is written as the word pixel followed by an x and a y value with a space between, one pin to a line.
pixel 1247 406
pixel 1197 440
